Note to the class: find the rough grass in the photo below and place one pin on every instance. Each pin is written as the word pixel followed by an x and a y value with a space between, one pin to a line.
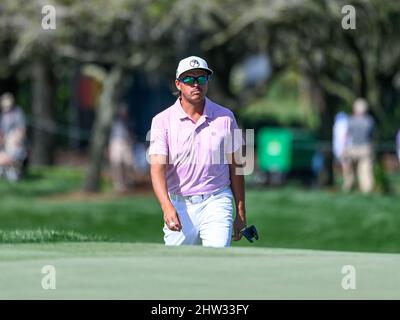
pixel 46 236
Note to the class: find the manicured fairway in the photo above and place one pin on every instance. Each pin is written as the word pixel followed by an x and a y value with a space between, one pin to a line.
pixel 104 270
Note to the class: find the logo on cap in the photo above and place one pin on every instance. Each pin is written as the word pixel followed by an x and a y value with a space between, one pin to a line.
pixel 194 63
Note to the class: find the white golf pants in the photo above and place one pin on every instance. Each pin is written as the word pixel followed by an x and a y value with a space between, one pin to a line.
pixel 207 218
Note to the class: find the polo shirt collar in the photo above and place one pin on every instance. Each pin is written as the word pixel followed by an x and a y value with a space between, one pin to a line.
pixel 207 112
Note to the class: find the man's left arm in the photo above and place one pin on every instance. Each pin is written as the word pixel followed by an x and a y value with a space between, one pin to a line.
pixel 238 190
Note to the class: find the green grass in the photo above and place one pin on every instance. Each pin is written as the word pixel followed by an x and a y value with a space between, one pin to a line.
pixel 286 218
pixel 150 271
pixel 47 181
pixel 89 241
pixel 42 182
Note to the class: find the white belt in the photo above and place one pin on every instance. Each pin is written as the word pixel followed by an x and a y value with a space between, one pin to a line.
pixel 196 198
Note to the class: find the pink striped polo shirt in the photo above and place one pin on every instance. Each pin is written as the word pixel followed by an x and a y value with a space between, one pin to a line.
pixel 197 162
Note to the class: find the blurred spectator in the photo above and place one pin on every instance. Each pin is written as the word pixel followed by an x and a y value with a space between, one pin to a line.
pixel 340 128
pixel 13 151
pixel 140 163
pixel 120 152
pixel 340 138
pixel 358 153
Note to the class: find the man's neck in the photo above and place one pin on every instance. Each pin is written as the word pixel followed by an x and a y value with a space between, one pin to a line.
pixel 193 110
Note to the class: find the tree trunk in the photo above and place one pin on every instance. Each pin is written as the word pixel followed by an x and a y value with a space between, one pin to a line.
pixel 101 130
pixel 389 100
pixel 42 111
pixel 326 107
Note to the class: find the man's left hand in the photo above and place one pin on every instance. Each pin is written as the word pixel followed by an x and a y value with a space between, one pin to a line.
pixel 238 225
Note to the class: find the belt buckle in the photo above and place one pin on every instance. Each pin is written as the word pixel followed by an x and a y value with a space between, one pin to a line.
pixel 193 199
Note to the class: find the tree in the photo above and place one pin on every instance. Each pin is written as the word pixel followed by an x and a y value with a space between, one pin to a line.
pixel 114 35
pixel 301 35
pixel 31 47
pixel 101 129
pixel 339 64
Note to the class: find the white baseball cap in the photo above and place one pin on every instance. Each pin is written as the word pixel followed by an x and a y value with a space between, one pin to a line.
pixel 191 63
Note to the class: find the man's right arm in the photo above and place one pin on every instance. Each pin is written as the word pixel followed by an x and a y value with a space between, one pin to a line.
pixel 159 182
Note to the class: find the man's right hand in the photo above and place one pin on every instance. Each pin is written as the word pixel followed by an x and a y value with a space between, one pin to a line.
pixel 171 219
pixel 157 172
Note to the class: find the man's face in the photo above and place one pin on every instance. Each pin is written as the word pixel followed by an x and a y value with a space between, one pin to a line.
pixel 193 93
pixel 360 107
pixel 7 103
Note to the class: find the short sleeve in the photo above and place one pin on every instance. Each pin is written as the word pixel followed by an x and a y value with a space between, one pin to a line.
pixel 235 141
pixel 158 138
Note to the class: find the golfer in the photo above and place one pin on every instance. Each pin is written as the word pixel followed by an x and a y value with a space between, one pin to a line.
pixel 194 148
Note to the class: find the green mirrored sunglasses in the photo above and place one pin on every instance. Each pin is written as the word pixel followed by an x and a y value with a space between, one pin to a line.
pixel 190 80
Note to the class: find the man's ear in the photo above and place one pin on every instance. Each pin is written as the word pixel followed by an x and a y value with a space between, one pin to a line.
pixel 178 85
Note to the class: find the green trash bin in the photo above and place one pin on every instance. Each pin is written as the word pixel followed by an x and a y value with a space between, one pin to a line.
pixel 283 150
pixel 274 149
